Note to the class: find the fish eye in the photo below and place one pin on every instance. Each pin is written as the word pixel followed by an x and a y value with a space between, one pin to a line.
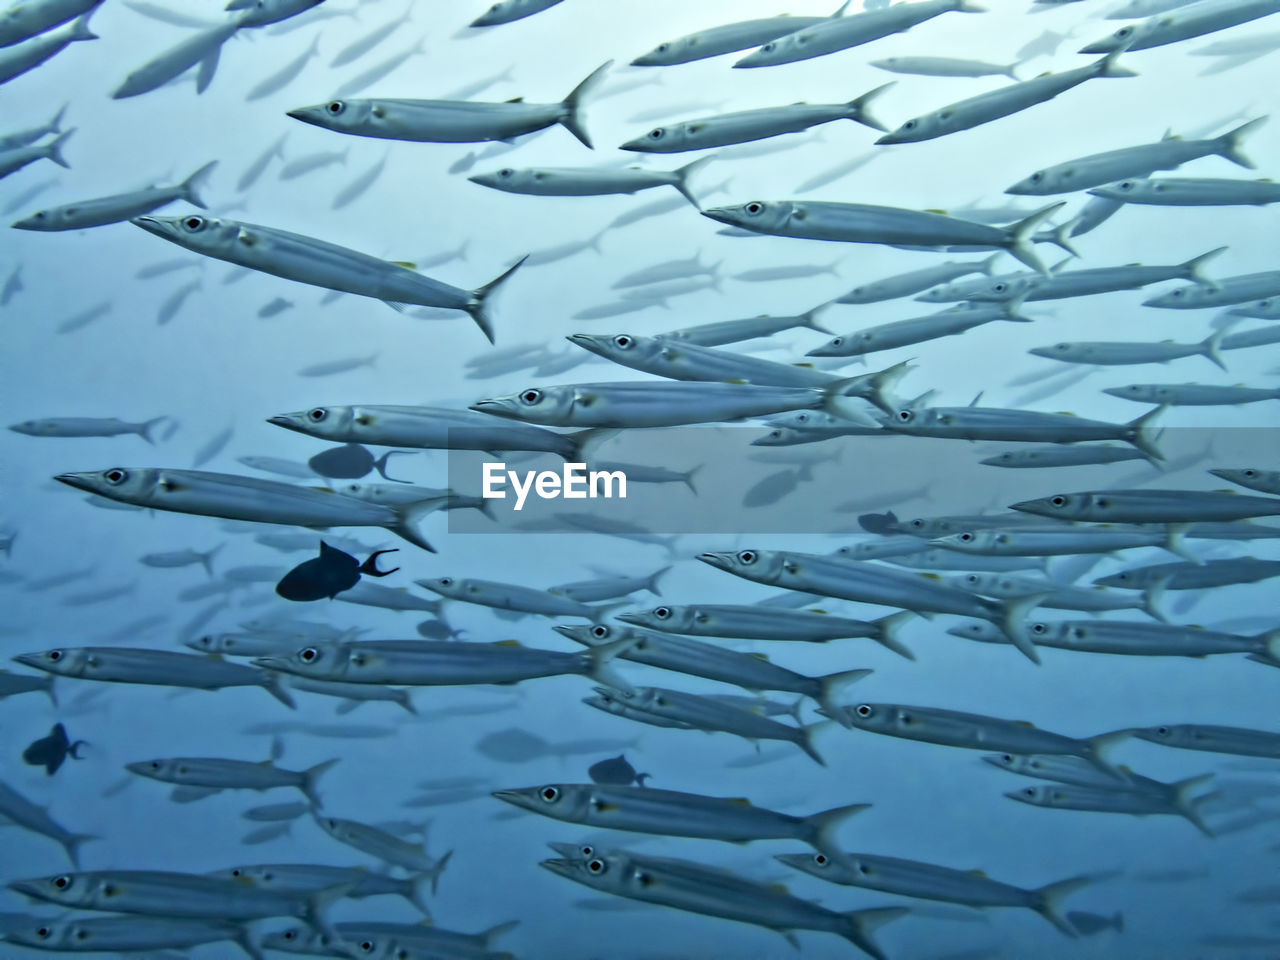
pixel 1250 474
pixel 318 414
pixel 1030 791
pixel 599 631
pixel 63 882
pixel 837 341
pixel 1007 757
pixel 1163 731
pixel 864 710
pixel 549 794
pixel 747 557
pixel 237 872
pixel 587 851
pixel 43 932
pixel 966 537
pixel 366 946
pixel 446 581
pixel 972 578
pixel 663 47
pixel 155 764
pixel 662 612
pixel 768 47
pixel 1058 501
pixel 335 107
pixel 597 866
pixel 194 223
pixel 116 476
pixel 1126 185
pixel 657 133
pixel 530 397
pixel 1124 31
pixel 1037 176
pixel 309 655
pixel 290 934
pixel 754 208
pixel 54 655
pixel 1038 628
pixel 623 342
pixel 1000 287
pixel 905 416
pixel 506 172
pixel 909 125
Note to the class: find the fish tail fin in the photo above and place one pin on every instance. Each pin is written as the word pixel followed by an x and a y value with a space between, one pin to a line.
pixel 887 629
pixel 405 700
pixel 480 296
pixel 80 29
pixel 810 319
pixel 823 826
pixel 1011 71
pixel 687 479
pixel 1108 67
pixel 496 931
pixel 832 684
pixel 53 696
pixel 652 583
pixel 311 775
pixel 1020 237
pixel 968 6
pixel 570 118
pixel 598 662
pixel 1175 541
pixel 1061 236
pixel 1152 602
pixel 318 904
pixel 583 443
pixel 1100 746
pixel 804 740
pixel 989 264
pixel 274 684
pixel 796 709
pixel 1181 791
pixel 381 465
pixel 1048 900
pixel 72 846
pixel 1013 624
pixel 856 109
pixel 1139 430
pixel 681 176
pixel 144 431
pixel 601 610
pixel 190 188
pixel 54 148
pixel 1228 145
pixel 1209 348
pixel 433 875
pixel 1193 269
pixel 862 923
pixel 408 515
pixel 206 558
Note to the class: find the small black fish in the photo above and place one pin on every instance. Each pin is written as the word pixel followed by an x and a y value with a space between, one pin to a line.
pixel 616 771
pixel 351 462
pixel 329 574
pixel 51 752
pixel 878 522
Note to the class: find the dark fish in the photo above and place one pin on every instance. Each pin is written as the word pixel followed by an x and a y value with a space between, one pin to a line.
pixel 878 522
pixel 351 462
pixel 616 771
pixel 51 752
pixel 329 574
pixel 1088 924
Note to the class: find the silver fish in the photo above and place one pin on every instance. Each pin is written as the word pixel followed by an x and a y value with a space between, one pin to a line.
pixel 1150 506
pixel 17 809
pixel 1191 192
pixel 117 208
pixel 285 75
pixel 17 59
pixel 15 159
pixel 1192 20
pixel 508 11
pixel 203 49
pixel 729 38
pixel 86 427
pixel 590 181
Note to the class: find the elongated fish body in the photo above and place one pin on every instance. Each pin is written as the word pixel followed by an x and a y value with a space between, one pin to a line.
pixel 508 11
pixel 1192 192
pixel 1240 741
pixel 651 404
pixel 259 166
pixel 841 33
pixel 17 809
pixel 1135 162
pixel 244 644
pixel 1044 543
pixel 1260 337
pixel 945 67
pixel 1014 98
pixel 17 59
pixel 905 284
pixel 449 121
pixel 1063 456
pixel 317 262
pixel 1191 394
pixel 24 21
pixel 312 162
pixel 510 596
pixel 160 894
pixel 929 881
pixel 1225 293
pixel 284 76
pixel 1150 506
pixel 154 667
pixel 716 41
pixel 348 195
pixel 11 161
pixel 117 208
pixel 686 361
pixel 11 684
pixel 262 13
pixel 585 181
pixel 1192 20
pixel 85 427
pixel 427 428
pixel 671 813
pixel 698 659
pixel 244 498
pixel 995 423
pixel 1056 596
pixel 312 878
pixel 746 126
pixel 124 934
pixel 24 138
pixel 869 223
pixel 718 893
pixel 1084 283
pixel 754 622
pixel 1124 637
pixel 610 588
pixel 426 937
pixel 1117 353
pixel 218 774
pixel 415 663
pixel 201 48
pixel 381 844
pixel 1265 481
pixel 1062 796
pixel 1191 576
pixel 901 333
pixel 1137 9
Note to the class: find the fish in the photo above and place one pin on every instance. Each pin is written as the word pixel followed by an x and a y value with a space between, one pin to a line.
pixel 1183 23
pixel 311 878
pixel 358 47
pixel 18 810
pixel 281 78
pixel 728 38
pixel 173 304
pixel 1177 800
pixel 589 181
pixel 1266 481
pixel 118 208
pixel 610 588
pixel 383 845
pixel 1056 595
pixel 319 263
pixel 1191 394
pixel 349 462
pixel 52 751
pixel 84 317
pixel 23 138
pixel 1191 192
pixel 259 166
pixel 11 161
pixel 211 775
pixel 330 368
pixel 510 596
pixel 360 185
pixel 311 162
pixel 1225 292
pixel 274 308
pixel 328 574
pixel 202 48
pixel 451 121
pixel 996 104
pixel 362 81
pixel 615 771
pixel 946 67
pixel 87 427
pixel 21 57
pixel 1150 506
pixel 1129 638
pixel 509 11
pixel 1122 353
pixel 12 684
pixel 262 13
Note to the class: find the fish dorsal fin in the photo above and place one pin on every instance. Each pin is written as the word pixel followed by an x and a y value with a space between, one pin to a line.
pixel 1025 723
pixel 516 100
pixel 809 365
pixel 739 801
pixel 931 576
pixel 760 656
pixel 779 888
pixel 407 264
pixel 507 643
pixel 816 610
pixel 974 401
pixel 941 213
pixel 1170 135
pixel 738 380
pixel 1047 73
pixel 978 873
pixel 1067 413
pixel 328 551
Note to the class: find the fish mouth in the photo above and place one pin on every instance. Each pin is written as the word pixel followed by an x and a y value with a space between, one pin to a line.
pixel 27 659
pixel 513 797
pixel 495 406
pixel 721 561
pixel 635 619
pixel 28 888
pixel 568 851
pixel 567 630
pixel 889 138
pixel 560 866
pixel 78 480
pixel 270 663
pixel 721 215
pixel 287 420
pixel 635 146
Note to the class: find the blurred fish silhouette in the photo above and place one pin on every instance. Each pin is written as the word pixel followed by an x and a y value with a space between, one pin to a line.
pixel 51 752
pixel 617 771
pixel 329 574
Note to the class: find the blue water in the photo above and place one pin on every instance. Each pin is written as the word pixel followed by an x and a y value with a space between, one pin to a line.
pixel 216 366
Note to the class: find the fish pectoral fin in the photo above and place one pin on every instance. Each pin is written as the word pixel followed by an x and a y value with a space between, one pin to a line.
pixel 247 238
